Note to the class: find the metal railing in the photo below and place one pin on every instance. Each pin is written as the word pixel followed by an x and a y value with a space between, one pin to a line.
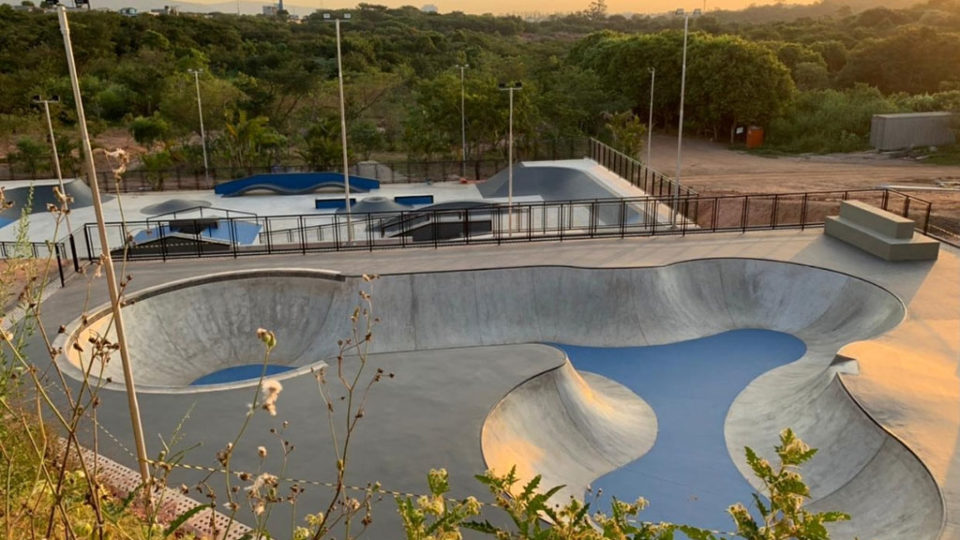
pixel 653 182
pixel 392 171
pixel 57 251
pixel 542 221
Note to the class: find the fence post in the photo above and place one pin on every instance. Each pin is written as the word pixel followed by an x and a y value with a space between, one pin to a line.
pixel 746 212
pixel 303 239
pixel 73 253
pixel 803 212
pixel 56 249
pixel 773 213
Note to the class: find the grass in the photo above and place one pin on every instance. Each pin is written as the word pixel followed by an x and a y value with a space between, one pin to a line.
pixel 944 155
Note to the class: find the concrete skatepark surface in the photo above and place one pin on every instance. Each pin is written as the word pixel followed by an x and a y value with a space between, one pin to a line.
pixel 690 386
pixel 428 319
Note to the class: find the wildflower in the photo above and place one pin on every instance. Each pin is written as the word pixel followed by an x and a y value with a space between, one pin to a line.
pixel 259 508
pixel 267 337
pixel 472 505
pixel 264 479
pixel 271 391
pixel 262 452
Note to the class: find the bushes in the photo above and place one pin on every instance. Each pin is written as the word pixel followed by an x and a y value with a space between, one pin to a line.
pixel 822 121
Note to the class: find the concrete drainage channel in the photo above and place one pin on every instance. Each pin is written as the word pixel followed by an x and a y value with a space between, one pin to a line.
pixel 122 481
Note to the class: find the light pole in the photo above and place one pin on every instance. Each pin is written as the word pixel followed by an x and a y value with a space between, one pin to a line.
pixel 463 122
pixel 510 89
pixel 106 257
pixel 56 167
pixel 203 135
pixel 683 83
pixel 653 79
pixel 343 124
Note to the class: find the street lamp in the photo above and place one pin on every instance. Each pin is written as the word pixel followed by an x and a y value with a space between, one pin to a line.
pixel 327 17
pixel 510 88
pixel 653 78
pixel 203 136
pixel 463 123
pixel 683 82
pixel 56 162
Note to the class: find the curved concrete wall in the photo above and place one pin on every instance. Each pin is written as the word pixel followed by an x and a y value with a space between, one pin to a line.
pixel 197 328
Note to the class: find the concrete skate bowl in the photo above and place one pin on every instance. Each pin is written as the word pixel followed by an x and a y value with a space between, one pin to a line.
pixel 573 427
pixel 200 334
pixel 42 195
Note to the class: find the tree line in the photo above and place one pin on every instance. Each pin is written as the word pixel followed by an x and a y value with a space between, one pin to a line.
pixel 269 85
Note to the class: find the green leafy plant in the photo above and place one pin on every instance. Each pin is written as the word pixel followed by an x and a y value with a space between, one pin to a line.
pixel 783 516
pixel 532 515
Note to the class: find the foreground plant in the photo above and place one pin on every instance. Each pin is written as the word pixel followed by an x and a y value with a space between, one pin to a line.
pixel 783 516
pixel 531 516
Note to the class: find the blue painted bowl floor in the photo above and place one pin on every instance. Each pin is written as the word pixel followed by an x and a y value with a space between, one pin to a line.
pixel 688 476
pixel 239 373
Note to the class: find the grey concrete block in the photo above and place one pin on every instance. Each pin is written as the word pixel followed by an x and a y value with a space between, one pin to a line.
pixel 876 219
pixel 919 248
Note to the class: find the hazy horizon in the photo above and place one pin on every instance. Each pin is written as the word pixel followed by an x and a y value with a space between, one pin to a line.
pixel 497 7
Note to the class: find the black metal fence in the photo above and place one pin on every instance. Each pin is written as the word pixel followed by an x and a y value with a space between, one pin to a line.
pixel 653 182
pixel 390 171
pixel 543 221
pixel 56 251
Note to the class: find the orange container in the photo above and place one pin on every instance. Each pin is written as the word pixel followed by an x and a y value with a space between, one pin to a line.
pixel 754 137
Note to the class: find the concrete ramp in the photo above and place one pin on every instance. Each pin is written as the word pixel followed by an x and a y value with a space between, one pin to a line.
pixel 569 427
pixel 573 427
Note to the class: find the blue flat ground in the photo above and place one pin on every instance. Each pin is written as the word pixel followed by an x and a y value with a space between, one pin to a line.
pixel 239 373
pixel 239 232
pixel 688 476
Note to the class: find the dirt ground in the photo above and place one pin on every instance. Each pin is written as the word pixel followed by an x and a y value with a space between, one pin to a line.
pixel 714 169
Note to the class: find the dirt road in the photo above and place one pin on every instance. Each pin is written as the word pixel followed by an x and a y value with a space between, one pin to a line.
pixel 713 169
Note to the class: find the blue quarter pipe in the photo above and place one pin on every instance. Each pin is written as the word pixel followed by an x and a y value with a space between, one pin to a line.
pixel 293 183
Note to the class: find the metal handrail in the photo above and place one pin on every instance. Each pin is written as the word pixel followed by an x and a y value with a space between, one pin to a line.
pixel 535 221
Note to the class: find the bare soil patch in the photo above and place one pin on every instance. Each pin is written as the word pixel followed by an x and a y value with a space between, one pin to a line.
pixel 714 169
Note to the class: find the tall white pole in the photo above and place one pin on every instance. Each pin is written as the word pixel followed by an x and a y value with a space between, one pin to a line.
pixel 132 404
pixel 510 170
pixel 463 123
pixel 653 79
pixel 56 160
pixel 683 82
pixel 203 134
pixel 343 138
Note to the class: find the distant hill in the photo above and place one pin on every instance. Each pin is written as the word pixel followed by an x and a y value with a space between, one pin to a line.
pixel 755 13
pixel 790 12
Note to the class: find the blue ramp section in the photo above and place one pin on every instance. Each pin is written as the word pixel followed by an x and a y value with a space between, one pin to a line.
pixel 240 373
pixel 224 231
pixel 411 200
pixel 293 183
pixel 326 204
pixel 688 476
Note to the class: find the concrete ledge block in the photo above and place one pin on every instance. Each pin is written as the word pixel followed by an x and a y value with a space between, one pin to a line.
pixel 883 222
pixel 920 248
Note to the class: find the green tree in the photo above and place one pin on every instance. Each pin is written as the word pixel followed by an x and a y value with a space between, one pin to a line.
pixel 913 60
pixel 320 147
pixel 628 132
pixel 29 155
pixel 150 130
